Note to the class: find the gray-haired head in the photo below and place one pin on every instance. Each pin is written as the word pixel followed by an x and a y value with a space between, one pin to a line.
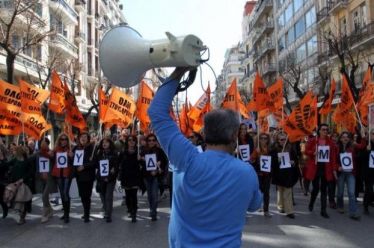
pixel 221 127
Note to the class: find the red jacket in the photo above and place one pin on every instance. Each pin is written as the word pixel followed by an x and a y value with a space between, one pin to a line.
pixel 311 165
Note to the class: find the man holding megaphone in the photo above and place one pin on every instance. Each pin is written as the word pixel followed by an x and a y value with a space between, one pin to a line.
pixel 212 190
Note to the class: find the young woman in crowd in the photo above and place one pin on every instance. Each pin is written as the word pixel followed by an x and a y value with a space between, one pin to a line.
pixel 131 175
pixel 85 173
pixel 106 163
pixel 264 175
pixel 368 173
pixel 19 171
pixel 346 169
pixel 4 180
pixel 285 173
pixel 320 173
pixel 244 138
pixel 62 171
pixel 152 172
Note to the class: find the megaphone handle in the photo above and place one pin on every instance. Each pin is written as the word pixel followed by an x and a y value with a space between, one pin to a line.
pixel 188 82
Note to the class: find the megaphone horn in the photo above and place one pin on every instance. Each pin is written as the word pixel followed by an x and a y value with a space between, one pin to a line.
pixel 125 56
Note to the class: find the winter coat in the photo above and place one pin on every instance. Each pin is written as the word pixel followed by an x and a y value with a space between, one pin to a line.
pixel 285 177
pixel 88 173
pixel 130 170
pixel 112 157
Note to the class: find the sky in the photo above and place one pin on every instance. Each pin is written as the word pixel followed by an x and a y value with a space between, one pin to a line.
pixel 216 23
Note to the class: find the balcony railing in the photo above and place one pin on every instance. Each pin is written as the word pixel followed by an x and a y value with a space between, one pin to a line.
pixel 67 7
pixel 361 34
pixel 337 5
pixel 27 62
pixel 65 42
pixel 264 4
pixel 269 68
pixel 323 13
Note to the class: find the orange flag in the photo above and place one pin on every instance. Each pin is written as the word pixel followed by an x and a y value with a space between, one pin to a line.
pixel 196 110
pixel 35 125
pixel 144 100
pixel 263 121
pixel 199 123
pixel 32 97
pixel 275 93
pixel 185 123
pixel 251 106
pixel 366 96
pixel 346 99
pixel 346 118
pixel 303 119
pixel 73 114
pixel 10 98
pixel 260 95
pixel 326 108
pixel 233 100
pixel 9 124
pixel 57 98
pixel 103 104
pixel 120 107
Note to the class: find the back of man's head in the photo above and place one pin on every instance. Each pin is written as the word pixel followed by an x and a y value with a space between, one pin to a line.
pixel 221 127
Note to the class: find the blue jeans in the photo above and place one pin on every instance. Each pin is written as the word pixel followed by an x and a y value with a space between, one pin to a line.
pixel 349 179
pixel 151 184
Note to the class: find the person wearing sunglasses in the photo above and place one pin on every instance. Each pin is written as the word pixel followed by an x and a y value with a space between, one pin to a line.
pixel 322 155
pixel 213 190
pixel 62 171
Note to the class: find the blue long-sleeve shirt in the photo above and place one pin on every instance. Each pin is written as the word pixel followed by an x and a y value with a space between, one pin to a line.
pixel 211 190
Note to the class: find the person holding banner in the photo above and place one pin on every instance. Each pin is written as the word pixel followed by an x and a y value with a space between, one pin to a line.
pixel 62 171
pixel 346 172
pixel 245 143
pixel 368 174
pixel 213 190
pixel 152 161
pixel 261 160
pixel 84 171
pixel 130 175
pixel 321 152
pixel 107 164
pixel 285 173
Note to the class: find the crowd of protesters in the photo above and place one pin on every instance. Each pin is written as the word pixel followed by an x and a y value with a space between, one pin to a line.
pixel 276 161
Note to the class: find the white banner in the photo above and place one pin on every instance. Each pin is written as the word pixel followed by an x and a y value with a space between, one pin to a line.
pixel 244 152
pixel 150 162
pixel 346 161
pixel 62 160
pixel 78 157
pixel 284 159
pixel 323 154
pixel 265 163
pixel 104 168
pixel 43 164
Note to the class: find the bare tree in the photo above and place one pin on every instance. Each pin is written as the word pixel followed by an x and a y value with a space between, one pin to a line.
pixel 21 28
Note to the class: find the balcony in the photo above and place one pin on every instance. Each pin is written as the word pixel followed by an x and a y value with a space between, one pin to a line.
pixel 61 7
pixel 268 47
pixel 269 68
pixel 265 6
pixel 24 61
pixel 361 36
pixel 323 14
pixel 80 5
pixel 337 5
pixel 61 43
pixel 266 27
pixel 80 37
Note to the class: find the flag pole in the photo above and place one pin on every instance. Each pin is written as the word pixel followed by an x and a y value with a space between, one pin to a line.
pixel 358 116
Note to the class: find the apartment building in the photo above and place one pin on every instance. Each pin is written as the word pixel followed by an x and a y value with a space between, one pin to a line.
pixel 296 38
pixel 78 27
pixel 351 22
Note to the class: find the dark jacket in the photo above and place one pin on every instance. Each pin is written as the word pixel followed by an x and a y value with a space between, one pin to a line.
pixel 367 172
pixel 113 165
pixel 88 173
pixel 130 170
pixel 4 173
pixel 284 177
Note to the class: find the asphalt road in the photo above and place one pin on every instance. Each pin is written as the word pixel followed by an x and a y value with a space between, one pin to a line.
pixel 308 229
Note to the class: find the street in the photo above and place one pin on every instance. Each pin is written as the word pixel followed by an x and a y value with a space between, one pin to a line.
pixel 307 230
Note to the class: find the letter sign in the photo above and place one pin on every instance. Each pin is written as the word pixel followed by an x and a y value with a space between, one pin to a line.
pixel 244 152
pixel 43 164
pixel 265 163
pixel 151 162
pixel 284 159
pixel 104 168
pixel 371 160
pixel 62 160
pixel 323 154
pixel 78 157
pixel 346 161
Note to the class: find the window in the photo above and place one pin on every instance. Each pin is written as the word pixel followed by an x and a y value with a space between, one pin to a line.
pixel 290 36
pixel 312 45
pixel 310 17
pixel 297 4
pixel 281 43
pixel 281 20
pixel 289 12
pixel 301 53
pixel 359 17
pixel 16 41
pixel 343 26
pixel 300 27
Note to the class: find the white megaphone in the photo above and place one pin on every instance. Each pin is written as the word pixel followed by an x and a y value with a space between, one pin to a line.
pixel 125 56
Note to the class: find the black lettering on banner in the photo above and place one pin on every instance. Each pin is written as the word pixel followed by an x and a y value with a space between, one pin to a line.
pixel 104 169
pixel 346 161
pixel 323 154
pixel 264 163
pixel 43 162
pixel 63 161
pixel 151 163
